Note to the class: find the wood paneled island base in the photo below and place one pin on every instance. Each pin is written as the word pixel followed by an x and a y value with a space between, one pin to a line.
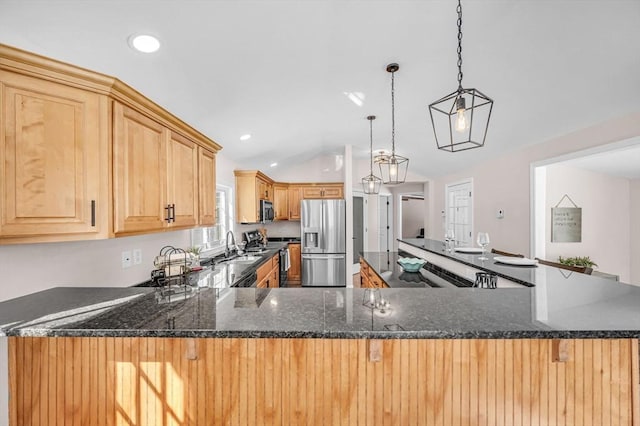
pixel 279 381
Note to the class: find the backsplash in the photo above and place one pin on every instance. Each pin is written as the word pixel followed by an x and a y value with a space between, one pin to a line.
pixel 284 228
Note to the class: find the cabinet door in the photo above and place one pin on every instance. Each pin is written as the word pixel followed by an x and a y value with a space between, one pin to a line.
pixel 207 188
pixel 310 192
pixel 332 192
pixel 263 189
pixel 53 161
pixel 295 195
pixel 139 172
pixel 281 202
pixel 182 181
pixel 294 259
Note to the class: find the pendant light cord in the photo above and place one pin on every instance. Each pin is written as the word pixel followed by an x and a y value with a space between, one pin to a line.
pixel 459 10
pixel 371 146
pixel 393 116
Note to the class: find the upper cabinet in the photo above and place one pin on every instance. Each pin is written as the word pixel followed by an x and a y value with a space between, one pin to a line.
pixel 281 201
pixel 325 190
pixel 207 184
pixel 84 156
pixel 54 161
pixel 251 187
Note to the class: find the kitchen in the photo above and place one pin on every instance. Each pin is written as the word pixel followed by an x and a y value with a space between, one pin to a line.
pixel 98 263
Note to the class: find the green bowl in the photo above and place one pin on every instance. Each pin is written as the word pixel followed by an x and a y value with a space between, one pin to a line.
pixel 411 264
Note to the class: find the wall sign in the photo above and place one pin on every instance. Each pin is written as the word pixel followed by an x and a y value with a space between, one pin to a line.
pixel 566 223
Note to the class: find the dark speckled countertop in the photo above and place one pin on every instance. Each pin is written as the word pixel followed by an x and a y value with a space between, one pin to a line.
pixel 567 308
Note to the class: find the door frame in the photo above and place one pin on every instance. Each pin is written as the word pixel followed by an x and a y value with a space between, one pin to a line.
pixel 355 268
pixel 447 188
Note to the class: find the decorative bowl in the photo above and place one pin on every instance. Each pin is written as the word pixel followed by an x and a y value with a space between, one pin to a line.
pixel 411 264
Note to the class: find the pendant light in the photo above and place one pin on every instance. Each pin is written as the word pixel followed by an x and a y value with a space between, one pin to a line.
pixel 460 120
pixel 371 183
pixel 394 167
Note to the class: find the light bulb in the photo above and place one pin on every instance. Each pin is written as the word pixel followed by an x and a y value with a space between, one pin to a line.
pixel 461 119
pixel 393 170
pixel 372 185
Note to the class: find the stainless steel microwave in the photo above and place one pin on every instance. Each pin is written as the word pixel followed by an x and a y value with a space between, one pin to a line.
pixel 266 211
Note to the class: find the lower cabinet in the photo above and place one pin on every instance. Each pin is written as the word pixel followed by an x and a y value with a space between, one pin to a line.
pixel 368 278
pixel 287 381
pixel 269 273
pixel 294 274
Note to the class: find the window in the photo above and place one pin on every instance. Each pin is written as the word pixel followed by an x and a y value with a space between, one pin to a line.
pixel 213 238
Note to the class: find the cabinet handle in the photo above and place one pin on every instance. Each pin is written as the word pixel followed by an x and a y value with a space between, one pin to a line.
pixel 168 209
pixel 93 212
pixel 173 212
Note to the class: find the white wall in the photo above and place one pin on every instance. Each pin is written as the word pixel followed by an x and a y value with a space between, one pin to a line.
pixel 413 215
pixel 503 182
pixel 604 200
pixel 634 231
pixel 27 268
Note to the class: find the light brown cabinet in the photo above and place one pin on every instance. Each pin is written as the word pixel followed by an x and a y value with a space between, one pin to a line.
pixel 251 187
pixel 84 156
pixel 156 182
pixel 269 273
pixel 295 195
pixel 368 278
pixel 324 191
pixel 281 201
pixel 207 186
pixel 294 275
pixel 54 161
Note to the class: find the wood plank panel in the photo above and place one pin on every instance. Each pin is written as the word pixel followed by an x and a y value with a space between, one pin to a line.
pixel 126 381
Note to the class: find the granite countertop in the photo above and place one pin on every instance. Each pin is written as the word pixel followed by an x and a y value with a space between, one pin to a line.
pixel 525 275
pixel 553 309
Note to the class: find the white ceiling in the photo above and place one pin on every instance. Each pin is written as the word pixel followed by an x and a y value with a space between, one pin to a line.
pixel 623 163
pixel 279 69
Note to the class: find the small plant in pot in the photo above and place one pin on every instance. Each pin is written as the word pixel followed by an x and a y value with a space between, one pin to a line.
pixel 578 261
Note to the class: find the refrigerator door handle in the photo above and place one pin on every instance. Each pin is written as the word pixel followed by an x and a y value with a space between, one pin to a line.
pixel 323 256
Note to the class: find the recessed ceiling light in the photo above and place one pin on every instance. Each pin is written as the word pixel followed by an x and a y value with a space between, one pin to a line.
pixel 144 43
pixel 273 164
pixel 245 137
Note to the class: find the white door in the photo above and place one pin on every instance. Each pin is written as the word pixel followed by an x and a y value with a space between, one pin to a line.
pixel 459 211
pixel 384 222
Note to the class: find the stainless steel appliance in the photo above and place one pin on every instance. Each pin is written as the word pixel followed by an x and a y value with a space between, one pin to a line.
pixel 323 228
pixel 266 211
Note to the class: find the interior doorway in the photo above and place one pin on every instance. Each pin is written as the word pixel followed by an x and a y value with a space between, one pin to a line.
pixel 459 211
pixel 385 222
pixel 359 228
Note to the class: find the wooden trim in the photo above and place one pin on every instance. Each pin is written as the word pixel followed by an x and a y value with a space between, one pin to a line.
pixel 149 381
pixel 42 67
pixel 635 382
pixel 375 350
pixel 560 350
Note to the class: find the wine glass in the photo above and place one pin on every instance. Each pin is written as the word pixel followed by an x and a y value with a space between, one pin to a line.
pixel 483 240
pixel 450 238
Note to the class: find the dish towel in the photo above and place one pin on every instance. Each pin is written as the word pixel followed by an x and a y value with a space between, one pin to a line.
pixel 287 261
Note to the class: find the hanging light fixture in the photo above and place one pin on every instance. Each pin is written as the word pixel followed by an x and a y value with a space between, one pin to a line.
pixel 371 183
pixel 460 120
pixel 394 167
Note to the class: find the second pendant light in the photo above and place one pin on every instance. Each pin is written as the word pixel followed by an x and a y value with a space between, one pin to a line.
pixel 393 168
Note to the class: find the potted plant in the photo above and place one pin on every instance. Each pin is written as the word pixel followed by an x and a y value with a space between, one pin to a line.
pixel 578 261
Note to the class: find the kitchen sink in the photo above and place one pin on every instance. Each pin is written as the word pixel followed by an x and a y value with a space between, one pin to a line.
pixel 242 259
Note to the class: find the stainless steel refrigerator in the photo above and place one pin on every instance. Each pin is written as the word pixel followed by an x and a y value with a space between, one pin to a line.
pixel 323 229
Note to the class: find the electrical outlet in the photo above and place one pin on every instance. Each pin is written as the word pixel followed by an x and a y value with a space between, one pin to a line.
pixel 126 259
pixel 137 256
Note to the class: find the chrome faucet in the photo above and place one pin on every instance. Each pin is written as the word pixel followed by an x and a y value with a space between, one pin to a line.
pixel 227 251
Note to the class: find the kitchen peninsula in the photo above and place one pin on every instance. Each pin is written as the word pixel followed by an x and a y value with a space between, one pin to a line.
pixel 432 355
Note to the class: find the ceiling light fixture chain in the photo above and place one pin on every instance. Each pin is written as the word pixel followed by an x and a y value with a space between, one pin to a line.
pixel 459 10
pixel 393 168
pixel 371 183
pixel 460 120
pixel 393 111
